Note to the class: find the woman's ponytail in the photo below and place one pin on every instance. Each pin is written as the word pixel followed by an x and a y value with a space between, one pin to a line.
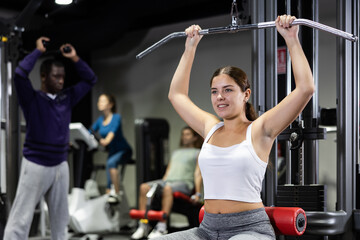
pixel 250 112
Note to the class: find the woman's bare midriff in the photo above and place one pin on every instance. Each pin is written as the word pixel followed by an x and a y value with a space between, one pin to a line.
pixel 229 206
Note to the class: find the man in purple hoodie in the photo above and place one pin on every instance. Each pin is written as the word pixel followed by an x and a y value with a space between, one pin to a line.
pixel 44 170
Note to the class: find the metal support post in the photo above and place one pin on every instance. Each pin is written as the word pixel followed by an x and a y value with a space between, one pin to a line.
pixel 3 210
pixel 309 40
pixel 265 82
pixel 12 121
pixel 347 114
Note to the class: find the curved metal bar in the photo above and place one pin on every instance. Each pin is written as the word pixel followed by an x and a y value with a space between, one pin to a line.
pixel 316 25
pixel 159 43
pixel 237 28
pixel 325 223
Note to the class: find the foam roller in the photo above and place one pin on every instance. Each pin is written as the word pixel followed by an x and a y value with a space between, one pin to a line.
pixel 287 220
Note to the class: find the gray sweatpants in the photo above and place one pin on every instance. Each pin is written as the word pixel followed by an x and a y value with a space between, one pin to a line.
pixel 249 225
pixel 36 181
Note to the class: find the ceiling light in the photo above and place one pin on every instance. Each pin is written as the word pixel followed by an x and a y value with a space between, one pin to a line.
pixel 63 2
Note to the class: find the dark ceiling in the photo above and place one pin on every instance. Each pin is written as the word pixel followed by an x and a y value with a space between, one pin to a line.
pixel 89 24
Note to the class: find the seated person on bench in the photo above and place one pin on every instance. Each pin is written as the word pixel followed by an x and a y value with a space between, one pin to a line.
pixel 109 127
pixel 180 175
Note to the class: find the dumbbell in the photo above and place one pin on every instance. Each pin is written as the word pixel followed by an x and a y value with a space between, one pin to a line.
pixel 66 49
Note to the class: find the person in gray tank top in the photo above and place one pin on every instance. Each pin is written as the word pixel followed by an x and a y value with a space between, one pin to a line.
pixel 182 175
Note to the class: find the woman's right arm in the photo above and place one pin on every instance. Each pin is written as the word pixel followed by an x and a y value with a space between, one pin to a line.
pixel 195 117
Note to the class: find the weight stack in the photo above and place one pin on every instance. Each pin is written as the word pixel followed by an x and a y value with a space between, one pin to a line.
pixel 307 197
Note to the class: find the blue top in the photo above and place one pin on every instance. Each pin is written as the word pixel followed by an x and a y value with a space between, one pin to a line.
pixel 47 120
pixel 119 143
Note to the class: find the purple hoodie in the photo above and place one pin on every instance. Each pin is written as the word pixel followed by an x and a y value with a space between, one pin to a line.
pixel 47 120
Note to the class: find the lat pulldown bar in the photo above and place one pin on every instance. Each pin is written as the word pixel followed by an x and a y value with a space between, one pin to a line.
pixel 237 28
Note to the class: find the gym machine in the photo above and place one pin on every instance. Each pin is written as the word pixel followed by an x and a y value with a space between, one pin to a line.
pixel 92 214
pixel 152 149
pixel 305 132
pixel 82 143
pixel 302 186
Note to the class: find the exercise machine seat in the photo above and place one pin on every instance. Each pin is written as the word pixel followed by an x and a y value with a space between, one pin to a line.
pixel 153 215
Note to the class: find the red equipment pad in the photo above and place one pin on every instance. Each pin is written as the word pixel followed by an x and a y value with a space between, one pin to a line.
pixel 289 221
pixel 151 214
pixel 156 215
pixel 182 196
pixel 201 214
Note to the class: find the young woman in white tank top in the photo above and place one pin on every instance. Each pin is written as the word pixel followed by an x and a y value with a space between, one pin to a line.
pixel 230 93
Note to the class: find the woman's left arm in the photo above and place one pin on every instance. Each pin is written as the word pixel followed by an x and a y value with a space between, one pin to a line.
pixel 274 121
pixel 115 125
pixel 107 140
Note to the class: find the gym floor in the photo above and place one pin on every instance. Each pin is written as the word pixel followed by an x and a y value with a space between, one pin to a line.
pixel 178 222
pixel 118 236
pixel 124 234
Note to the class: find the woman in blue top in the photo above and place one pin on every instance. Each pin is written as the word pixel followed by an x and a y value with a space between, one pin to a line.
pixel 109 127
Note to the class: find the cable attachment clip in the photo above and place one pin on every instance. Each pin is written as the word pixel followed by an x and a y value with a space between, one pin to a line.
pixel 234 14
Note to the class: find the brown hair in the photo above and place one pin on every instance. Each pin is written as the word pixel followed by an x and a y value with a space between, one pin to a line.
pixel 199 140
pixel 241 79
pixel 112 100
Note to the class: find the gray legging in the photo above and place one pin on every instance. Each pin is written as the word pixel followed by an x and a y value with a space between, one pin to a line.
pixel 37 181
pixel 249 225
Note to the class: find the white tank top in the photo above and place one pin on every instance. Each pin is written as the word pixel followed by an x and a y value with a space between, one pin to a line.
pixel 231 173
